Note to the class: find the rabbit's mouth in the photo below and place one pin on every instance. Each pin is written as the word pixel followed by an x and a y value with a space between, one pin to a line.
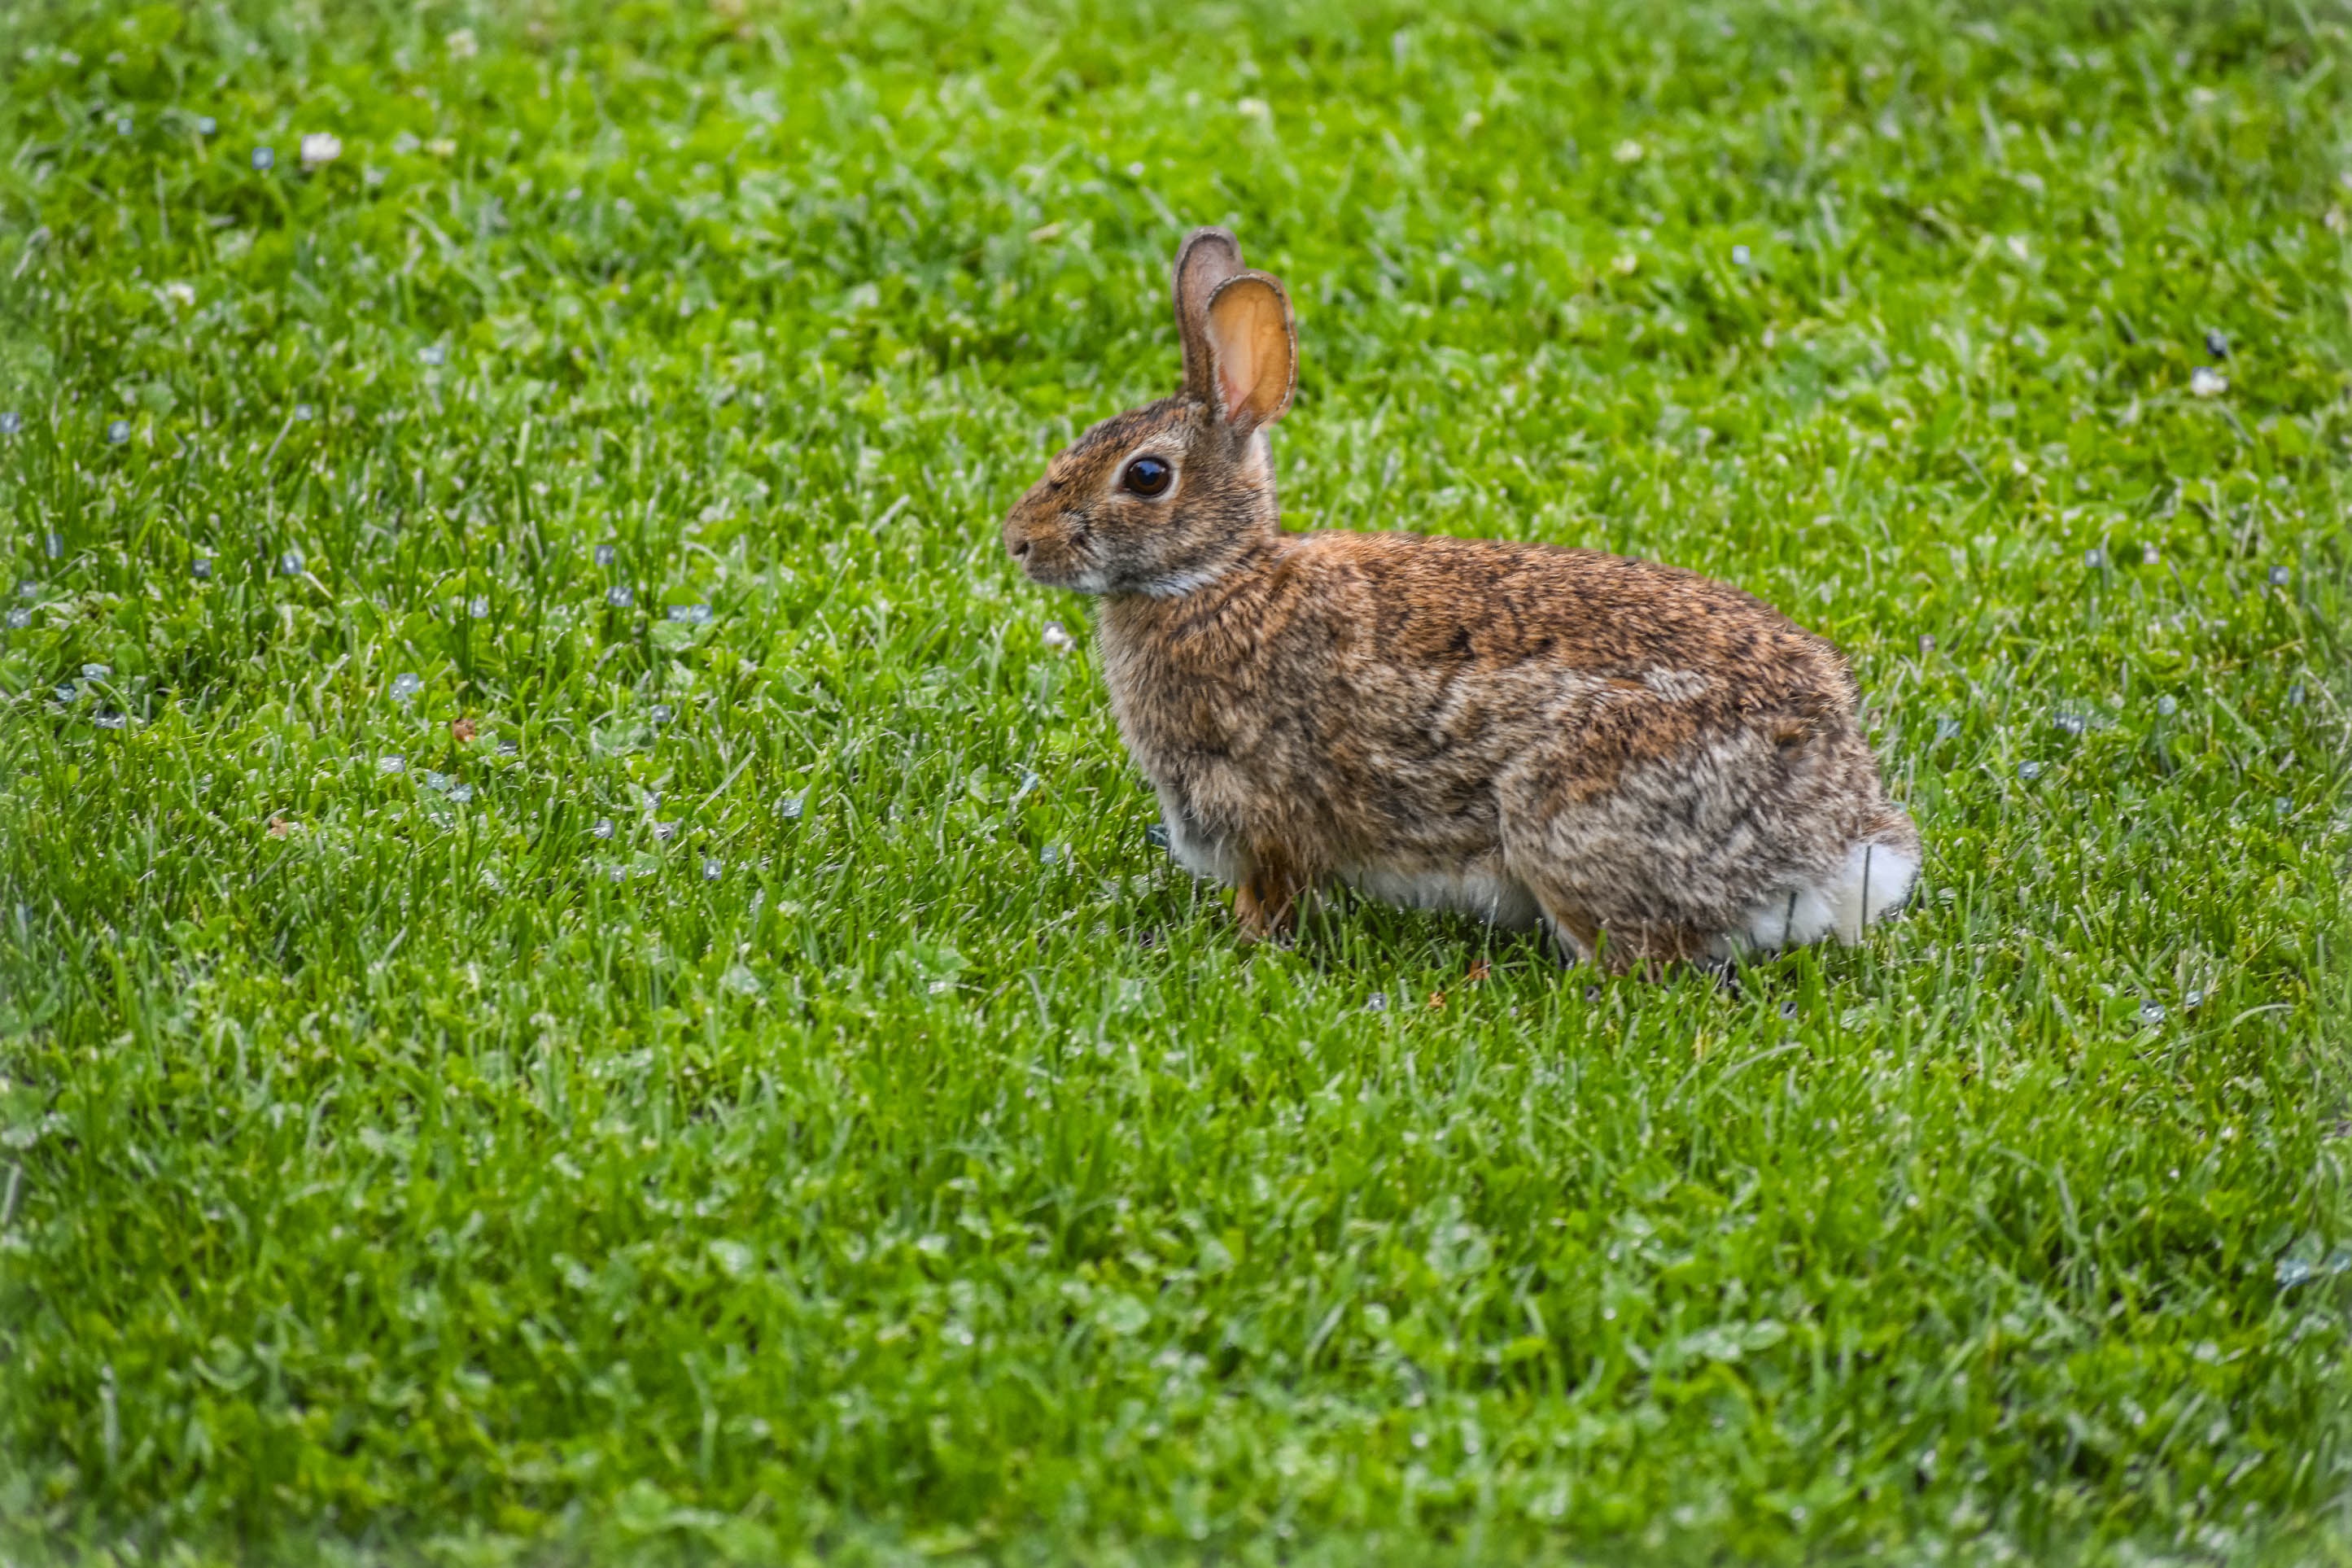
pixel 1055 551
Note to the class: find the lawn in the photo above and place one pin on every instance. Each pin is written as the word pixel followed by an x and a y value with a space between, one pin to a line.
pixel 583 977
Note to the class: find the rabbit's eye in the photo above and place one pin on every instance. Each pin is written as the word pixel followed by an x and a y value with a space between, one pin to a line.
pixel 1147 475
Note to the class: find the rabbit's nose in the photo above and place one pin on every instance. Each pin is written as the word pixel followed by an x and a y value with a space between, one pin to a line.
pixel 1019 548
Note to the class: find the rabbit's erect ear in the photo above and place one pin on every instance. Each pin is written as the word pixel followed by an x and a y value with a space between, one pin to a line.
pixel 1253 348
pixel 1205 259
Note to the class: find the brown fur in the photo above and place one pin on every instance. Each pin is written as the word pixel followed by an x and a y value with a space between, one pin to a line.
pixel 1648 753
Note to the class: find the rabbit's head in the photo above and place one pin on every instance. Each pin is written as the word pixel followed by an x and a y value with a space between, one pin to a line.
pixel 1168 497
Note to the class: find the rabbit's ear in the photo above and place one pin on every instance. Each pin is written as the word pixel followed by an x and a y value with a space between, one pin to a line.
pixel 1205 259
pixel 1254 348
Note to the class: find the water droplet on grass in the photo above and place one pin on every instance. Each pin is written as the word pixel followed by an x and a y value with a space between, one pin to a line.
pixel 2295 694
pixel 1740 255
pixel 206 125
pixel 1057 637
pixel 437 781
pixel 2072 723
pixel 1377 1002
pixel 118 432
pixel 303 410
pixel 1156 836
pixel 432 354
pixel 603 828
pixel 793 806
pixel 67 693
pixel 710 869
pixel 291 563
pixel 665 831
pixel 661 715
pixel 1050 855
pixel 2095 557
pixel 201 568
pixel 122 125
pixel 620 598
pixel 263 158
pixel 1945 728
pixel 2193 1001
pixel 405 686
pixel 478 608
pixel 1927 642
pixel 11 422
pixel 461 794
pixel 2207 381
pixel 55 544
pixel 2294 1272
pixel 2028 771
pixel 96 672
pixel 509 748
pixel 605 555
pixel 2166 707
pixel 20 619
pixel 2279 576
pixel 2151 1013
pixel 391 763
pixel 110 720
pixel 2217 345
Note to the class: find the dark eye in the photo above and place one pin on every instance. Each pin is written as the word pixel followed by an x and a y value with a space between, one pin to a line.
pixel 1147 475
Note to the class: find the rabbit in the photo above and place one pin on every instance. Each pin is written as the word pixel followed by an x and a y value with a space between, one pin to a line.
pixel 1655 767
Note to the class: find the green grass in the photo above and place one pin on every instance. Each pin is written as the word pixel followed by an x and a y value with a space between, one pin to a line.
pixel 903 1158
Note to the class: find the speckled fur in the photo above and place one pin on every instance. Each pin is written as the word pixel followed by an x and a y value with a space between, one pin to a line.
pixel 1650 760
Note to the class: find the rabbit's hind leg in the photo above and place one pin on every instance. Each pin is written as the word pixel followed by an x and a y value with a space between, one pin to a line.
pixel 1651 950
pixel 1575 935
pixel 1648 950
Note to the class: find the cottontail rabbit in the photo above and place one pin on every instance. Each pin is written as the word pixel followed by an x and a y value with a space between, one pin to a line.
pixel 1655 766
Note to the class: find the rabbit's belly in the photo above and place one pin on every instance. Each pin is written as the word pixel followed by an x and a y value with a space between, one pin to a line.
pixel 1491 896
